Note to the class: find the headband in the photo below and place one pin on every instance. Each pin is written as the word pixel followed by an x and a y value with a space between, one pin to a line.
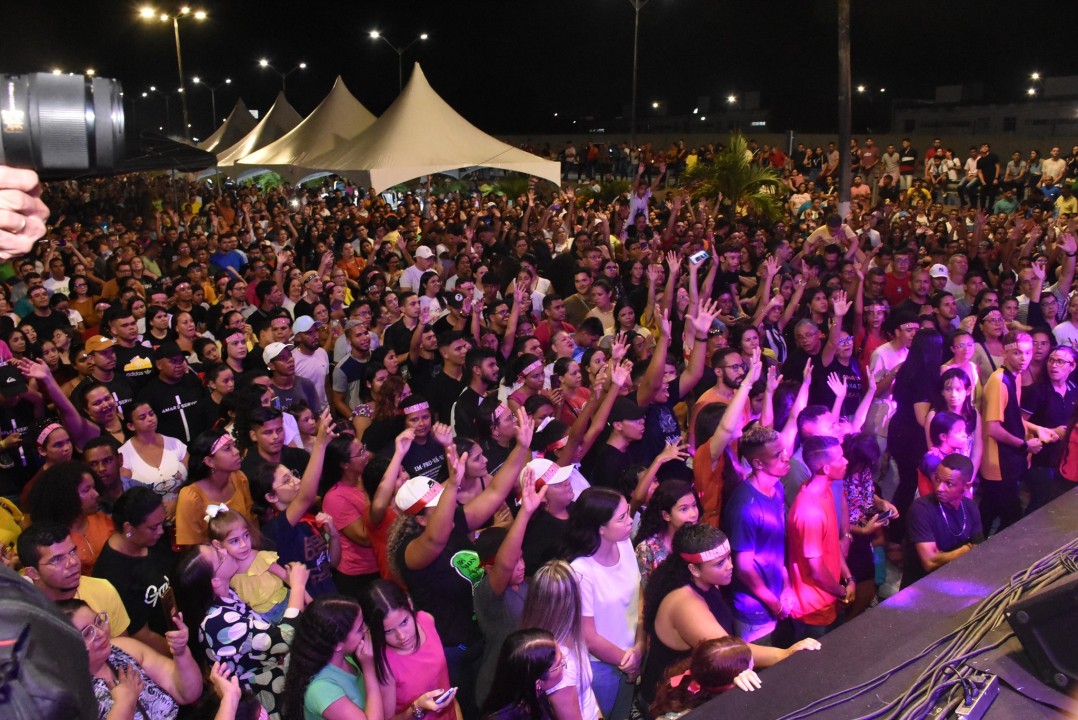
pixel 718 551
pixel 46 431
pixel 501 409
pixel 418 407
pixel 537 365
pixel 695 687
pixel 213 511
pixel 558 444
pixel 219 443
pixel 1011 346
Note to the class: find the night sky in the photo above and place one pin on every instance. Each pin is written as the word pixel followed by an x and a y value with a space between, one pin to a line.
pixel 509 66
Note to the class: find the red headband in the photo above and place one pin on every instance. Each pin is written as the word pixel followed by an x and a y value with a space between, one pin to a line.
pixel 702 557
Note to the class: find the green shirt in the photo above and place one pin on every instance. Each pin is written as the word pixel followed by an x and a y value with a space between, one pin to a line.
pixel 330 685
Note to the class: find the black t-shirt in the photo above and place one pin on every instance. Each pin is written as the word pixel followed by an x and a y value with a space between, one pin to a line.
pixel 140 581
pixel 820 393
pixel 661 427
pixel 495 453
pixel 420 373
pixel 17 465
pixel 45 325
pixel 292 458
pixel 444 588
pixel 427 459
pixel 794 367
pixel 908 305
pixel 466 411
pixel 607 469
pixel 175 406
pixel 120 387
pixel 399 337
pixel 441 392
pixel 987 166
pixel 1049 409
pixel 382 433
pixel 949 529
pixel 301 543
pixel 135 364
pixel 541 540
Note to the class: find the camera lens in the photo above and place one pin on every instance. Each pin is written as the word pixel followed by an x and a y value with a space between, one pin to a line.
pixel 61 124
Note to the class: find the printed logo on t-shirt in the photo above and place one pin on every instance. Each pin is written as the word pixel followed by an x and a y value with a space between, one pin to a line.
pixel 466 563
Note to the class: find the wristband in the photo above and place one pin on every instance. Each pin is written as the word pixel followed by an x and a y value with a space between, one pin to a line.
pixel 702 339
pixel 1025 445
pixel 1070 254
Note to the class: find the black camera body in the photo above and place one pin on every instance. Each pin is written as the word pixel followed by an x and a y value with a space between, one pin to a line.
pixel 61 125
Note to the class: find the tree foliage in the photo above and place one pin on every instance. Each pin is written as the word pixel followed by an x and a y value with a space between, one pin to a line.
pixel 737 182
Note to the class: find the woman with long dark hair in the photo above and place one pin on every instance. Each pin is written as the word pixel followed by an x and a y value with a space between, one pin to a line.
pixel 711 670
pixel 65 494
pixel 672 505
pixel 214 478
pixel 915 385
pixel 684 605
pixel 530 661
pixel 331 669
pixel 597 546
pixel 409 661
pixel 346 500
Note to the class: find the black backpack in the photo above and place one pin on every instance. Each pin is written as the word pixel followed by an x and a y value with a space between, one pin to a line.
pixel 44 669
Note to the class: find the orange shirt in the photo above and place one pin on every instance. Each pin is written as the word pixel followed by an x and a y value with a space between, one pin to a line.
pixel 88 544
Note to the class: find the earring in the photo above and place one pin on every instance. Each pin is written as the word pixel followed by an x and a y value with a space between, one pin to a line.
pixel 538 688
pixel 127 534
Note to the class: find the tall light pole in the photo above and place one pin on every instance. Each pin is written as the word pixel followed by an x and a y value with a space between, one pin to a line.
pixel 376 35
pixel 213 95
pixel 264 63
pixel 637 7
pixel 148 13
pixel 845 107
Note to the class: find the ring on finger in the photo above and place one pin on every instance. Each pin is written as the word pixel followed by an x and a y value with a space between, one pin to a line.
pixel 21 227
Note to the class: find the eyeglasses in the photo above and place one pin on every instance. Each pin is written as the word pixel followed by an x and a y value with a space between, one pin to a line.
pixel 58 560
pixel 737 366
pixel 993 320
pixel 846 341
pixel 99 625
pixel 1059 361
pixel 910 328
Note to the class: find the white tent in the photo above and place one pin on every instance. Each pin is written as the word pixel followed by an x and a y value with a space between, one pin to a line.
pixel 421 134
pixel 239 123
pixel 337 119
pixel 280 119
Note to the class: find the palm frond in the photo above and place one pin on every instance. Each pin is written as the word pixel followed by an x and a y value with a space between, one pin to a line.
pixel 732 177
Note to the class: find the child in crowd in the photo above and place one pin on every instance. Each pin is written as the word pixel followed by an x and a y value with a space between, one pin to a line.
pixel 259 580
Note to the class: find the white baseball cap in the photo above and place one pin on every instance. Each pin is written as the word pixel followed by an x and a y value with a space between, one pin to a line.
pixel 418 493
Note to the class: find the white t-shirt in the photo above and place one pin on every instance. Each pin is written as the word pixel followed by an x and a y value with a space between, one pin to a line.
pixel 410 278
pixel 580 678
pixel 884 358
pixel 166 479
pixel 314 367
pixel 1066 333
pixel 611 595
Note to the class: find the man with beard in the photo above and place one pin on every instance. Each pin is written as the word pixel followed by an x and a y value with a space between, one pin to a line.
pixel 173 394
pixel 481 365
pixel 730 369
pixel 312 361
pixel 103 351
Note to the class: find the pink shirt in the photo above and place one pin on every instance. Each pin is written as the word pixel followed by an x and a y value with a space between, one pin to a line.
pixel 422 671
pixel 348 503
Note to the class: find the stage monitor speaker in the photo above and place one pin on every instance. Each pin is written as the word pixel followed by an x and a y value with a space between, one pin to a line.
pixel 1046 624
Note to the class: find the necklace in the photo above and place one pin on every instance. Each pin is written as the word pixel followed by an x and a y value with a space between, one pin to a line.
pixel 947 521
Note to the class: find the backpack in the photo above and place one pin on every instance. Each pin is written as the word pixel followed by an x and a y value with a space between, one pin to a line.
pixel 44 669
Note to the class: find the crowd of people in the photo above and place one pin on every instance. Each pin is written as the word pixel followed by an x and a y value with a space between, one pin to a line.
pixel 307 453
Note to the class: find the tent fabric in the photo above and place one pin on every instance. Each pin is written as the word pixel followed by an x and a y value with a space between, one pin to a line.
pixel 421 134
pixel 338 119
pixel 280 119
pixel 239 123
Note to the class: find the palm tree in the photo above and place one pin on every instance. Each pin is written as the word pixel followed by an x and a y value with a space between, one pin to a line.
pixel 736 181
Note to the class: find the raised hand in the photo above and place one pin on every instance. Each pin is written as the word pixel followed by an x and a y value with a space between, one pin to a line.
pixel 619 348
pixel 403 442
pixel 443 434
pixel 837 384
pixel 325 432
pixel 525 428
pixel 773 380
pixel 771 267
pixel 841 304
pixel 808 371
pixel 705 315
pixel 622 375
pixel 756 365
pixel 530 498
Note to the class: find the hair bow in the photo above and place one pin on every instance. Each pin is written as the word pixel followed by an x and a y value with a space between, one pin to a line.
pixel 675 681
pixel 213 511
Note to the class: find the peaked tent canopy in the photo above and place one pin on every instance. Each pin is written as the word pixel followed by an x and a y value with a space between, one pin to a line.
pixel 337 119
pixel 421 134
pixel 239 123
pixel 280 119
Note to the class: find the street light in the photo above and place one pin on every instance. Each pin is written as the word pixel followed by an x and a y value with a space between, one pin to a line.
pixel 637 7
pixel 1035 76
pixel 264 63
pixel 90 72
pixel 376 35
pixel 213 94
pixel 148 13
pixel 731 99
pixel 861 89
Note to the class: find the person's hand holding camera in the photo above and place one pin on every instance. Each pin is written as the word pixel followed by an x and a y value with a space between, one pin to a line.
pixel 22 214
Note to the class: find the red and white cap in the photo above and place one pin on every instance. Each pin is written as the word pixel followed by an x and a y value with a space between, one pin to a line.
pixel 418 493
pixel 546 473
